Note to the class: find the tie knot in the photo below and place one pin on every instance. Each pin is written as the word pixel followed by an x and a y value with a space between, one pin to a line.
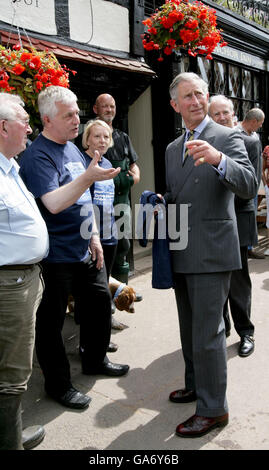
pixel 190 135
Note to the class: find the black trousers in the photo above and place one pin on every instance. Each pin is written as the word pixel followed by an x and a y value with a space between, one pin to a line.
pixel 89 287
pixel 109 257
pixel 239 298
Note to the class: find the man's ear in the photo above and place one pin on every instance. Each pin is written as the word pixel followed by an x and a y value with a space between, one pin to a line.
pixel 95 109
pixel 3 129
pixel 46 120
pixel 174 105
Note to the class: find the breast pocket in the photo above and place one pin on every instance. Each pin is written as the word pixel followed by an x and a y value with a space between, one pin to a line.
pixel 15 211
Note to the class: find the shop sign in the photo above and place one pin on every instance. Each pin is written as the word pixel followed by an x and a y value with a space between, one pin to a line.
pixel 33 15
pixel 242 57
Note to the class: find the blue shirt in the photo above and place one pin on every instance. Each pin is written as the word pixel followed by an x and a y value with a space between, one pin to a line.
pixel 45 166
pixel 23 233
pixel 103 193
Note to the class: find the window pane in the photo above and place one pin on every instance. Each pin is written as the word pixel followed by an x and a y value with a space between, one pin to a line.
pixel 246 84
pixel 185 64
pixel 256 87
pixel 234 81
pixel 220 78
pixel 204 70
pixel 246 107
pixel 236 104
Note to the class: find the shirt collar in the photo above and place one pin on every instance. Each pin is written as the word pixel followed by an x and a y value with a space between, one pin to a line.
pixel 199 129
pixel 7 164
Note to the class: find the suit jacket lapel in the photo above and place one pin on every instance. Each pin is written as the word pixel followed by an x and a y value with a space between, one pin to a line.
pixel 185 169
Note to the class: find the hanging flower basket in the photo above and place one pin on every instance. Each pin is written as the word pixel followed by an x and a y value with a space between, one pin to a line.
pixel 181 24
pixel 27 72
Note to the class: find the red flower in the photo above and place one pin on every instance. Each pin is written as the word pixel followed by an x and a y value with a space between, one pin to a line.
pixel 16 47
pixel 36 61
pixel 153 31
pixel 26 56
pixel 168 50
pixel 192 24
pixel 3 75
pixel 44 78
pixel 39 85
pixel 4 84
pixel 171 42
pixel 18 69
pixel 188 36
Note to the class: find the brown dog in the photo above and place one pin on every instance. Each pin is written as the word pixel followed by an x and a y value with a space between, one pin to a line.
pixel 123 296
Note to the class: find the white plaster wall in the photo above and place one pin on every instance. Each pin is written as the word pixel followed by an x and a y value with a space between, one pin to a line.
pixel 110 24
pixel 35 15
pixel 140 132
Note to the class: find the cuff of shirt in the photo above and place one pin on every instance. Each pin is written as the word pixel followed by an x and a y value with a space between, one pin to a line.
pixel 221 169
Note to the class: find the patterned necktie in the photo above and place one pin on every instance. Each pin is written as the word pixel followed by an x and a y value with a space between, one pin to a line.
pixel 190 137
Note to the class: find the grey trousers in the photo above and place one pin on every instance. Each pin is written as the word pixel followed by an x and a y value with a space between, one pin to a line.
pixel 20 295
pixel 200 299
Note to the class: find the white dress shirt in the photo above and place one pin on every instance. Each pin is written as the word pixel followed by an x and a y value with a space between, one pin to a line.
pixel 23 232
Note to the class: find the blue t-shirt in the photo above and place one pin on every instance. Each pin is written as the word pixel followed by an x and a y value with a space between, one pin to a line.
pixel 103 193
pixel 45 166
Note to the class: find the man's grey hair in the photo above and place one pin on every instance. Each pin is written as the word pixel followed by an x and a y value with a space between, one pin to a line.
pixel 220 98
pixel 51 95
pixel 9 106
pixel 185 77
pixel 254 113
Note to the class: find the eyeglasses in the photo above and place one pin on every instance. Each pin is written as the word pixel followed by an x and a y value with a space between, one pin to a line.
pixel 25 122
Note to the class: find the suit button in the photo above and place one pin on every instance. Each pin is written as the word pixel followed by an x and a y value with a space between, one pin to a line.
pixel 196 180
pixel 189 229
pixel 189 204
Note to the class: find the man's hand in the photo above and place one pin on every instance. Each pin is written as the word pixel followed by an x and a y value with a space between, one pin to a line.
pixel 97 251
pixel 202 152
pixel 134 171
pixel 95 173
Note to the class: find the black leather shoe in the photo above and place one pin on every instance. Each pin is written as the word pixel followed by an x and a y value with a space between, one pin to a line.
pixel 73 399
pixel 182 396
pixel 246 346
pixel 32 436
pixel 112 347
pixel 107 368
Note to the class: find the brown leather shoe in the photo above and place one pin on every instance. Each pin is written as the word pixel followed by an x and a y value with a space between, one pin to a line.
pixel 197 426
pixel 182 396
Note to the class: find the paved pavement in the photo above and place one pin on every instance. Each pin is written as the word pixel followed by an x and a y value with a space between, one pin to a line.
pixel 133 412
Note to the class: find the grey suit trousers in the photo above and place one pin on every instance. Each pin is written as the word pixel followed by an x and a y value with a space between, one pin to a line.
pixel 200 300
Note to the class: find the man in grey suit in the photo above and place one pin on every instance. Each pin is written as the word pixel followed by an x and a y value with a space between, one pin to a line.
pixel 216 167
pixel 221 110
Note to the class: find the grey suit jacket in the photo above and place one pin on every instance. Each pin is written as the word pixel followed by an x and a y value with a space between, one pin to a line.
pixel 213 244
pixel 245 209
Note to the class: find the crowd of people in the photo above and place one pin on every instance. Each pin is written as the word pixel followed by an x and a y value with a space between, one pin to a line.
pixel 214 167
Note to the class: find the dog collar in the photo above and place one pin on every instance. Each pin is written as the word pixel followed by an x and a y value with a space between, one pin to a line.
pixel 119 290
